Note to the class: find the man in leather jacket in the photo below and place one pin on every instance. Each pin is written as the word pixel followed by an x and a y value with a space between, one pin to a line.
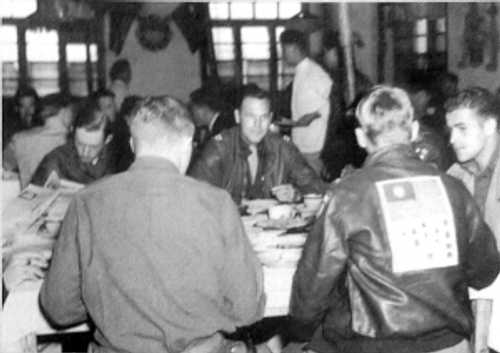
pixel 388 262
pixel 251 162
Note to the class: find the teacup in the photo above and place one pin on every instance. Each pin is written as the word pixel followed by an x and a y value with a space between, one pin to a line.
pixel 281 212
pixel 313 201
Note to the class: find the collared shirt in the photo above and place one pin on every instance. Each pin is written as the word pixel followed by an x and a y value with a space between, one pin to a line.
pixel 27 149
pixel 310 93
pixel 64 160
pixel 483 180
pixel 156 259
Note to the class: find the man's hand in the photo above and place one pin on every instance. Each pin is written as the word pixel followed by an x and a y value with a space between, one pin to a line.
pixel 23 267
pixel 306 119
pixel 285 193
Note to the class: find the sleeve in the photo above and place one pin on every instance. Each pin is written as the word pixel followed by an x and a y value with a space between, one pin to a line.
pixel 299 173
pixel 482 263
pixel 9 161
pixel 242 273
pixel 61 295
pixel 322 263
pixel 208 166
pixel 42 172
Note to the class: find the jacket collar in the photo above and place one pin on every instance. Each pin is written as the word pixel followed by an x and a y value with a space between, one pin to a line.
pixel 392 155
pixel 265 151
pixel 158 163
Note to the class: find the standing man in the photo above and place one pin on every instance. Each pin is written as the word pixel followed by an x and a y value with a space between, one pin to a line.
pixel 310 98
pixel 473 117
pixel 157 260
pixel 388 263
pixel 120 75
pixel 251 162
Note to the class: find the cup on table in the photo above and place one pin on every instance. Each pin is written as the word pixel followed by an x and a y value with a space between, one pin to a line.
pixel 313 201
pixel 281 212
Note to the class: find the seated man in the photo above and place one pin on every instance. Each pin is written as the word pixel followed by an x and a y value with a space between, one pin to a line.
pixel 27 148
pixel 86 156
pixel 157 260
pixel 387 265
pixel 250 162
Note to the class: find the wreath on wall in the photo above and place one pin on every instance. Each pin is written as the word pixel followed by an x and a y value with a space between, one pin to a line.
pixel 153 32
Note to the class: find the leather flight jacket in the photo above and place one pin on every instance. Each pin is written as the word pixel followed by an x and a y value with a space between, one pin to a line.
pixel 223 163
pixel 345 281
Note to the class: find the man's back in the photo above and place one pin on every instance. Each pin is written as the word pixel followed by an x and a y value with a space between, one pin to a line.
pixel 174 267
pixel 406 277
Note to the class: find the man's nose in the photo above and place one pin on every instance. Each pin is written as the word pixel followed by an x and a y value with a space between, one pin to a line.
pixel 452 137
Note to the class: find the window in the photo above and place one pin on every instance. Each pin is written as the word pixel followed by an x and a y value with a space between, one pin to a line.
pixel 17 8
pixel 245 39
pixel 77 56
pixel 10 61
pixel 42 54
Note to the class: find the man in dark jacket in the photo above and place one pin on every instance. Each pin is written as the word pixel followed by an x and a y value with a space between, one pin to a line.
pixel 387 265
pixel 250 162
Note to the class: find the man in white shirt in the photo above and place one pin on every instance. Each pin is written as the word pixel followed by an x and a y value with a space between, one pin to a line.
pixel 310 98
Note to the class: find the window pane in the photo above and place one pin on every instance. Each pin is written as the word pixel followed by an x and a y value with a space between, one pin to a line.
pixel 241 10
pixel 288 9
pixel 219 11
pixel 255 51
pixel 17 8
pixel 421 27
pixel 76 52
pixel 8 43
pixel 266 10
pixel 254 34
pixel 222 35
pixel 441 25
pixel 44 77
pixel 93 53
pixel 226 69
pixel 441 43
pixel 420 45
pixel 255 67
pixel 261 81
pixel 224 51
pixel 42 45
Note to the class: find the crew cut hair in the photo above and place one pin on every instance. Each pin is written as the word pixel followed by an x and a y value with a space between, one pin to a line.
pixel 485 103
pixel 90 118
pixel 385 111
pixel 294 37
pixel 253 91
pixel 169 112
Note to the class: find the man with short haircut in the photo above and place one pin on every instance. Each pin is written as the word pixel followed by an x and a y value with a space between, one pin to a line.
pixel 251 162
pixel 86 156
pixel 105 101
pixel 27 148
pixel 157 260
pixel 473 117
pixel 310 104
pixel 387 265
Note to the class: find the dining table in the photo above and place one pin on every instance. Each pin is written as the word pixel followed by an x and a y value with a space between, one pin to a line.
pixel 277 242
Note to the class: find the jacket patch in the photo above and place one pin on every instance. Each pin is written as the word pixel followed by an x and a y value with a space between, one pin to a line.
pixel 419 223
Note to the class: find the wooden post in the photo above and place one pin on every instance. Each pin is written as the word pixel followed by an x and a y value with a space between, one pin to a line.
pixel 346 40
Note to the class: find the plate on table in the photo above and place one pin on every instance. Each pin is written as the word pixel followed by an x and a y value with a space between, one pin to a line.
pixel 258 205
pixel 287 223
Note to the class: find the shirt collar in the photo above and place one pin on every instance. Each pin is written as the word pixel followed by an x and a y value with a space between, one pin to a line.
pixel 302 64
pixel 392 154
pixel 150 162
pixel 212 122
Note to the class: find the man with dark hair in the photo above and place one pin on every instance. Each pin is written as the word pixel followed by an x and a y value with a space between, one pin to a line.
pixel 157 260
pixel 251 162
pixel 120 75
pixel 105 101
pixel 27 148
pixel 387 265
pixel 473 117
pixel 86 157
pixel 25 115
pixel 310 105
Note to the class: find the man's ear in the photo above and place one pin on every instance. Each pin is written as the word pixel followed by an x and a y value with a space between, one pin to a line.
pixel 361 137
pixel 490 126
pixel 237 116
pixel 415 128
pixel 109 138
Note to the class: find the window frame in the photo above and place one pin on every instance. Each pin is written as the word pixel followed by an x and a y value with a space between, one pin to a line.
pixel 90 36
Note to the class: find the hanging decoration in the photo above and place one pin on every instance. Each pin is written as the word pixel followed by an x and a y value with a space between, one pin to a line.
pixel 153 32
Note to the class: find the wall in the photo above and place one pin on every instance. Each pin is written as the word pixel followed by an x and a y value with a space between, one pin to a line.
pixel 469 76
pixel 173 70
